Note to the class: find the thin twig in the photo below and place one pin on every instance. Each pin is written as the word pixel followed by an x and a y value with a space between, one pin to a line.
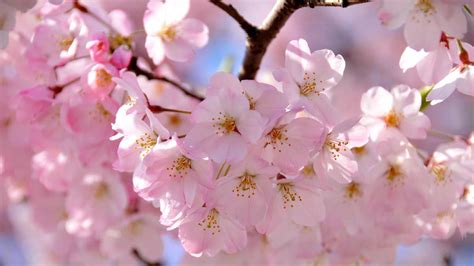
pixel 231 11
pixel 143 260
pixel 258 39
pixel 138 71
pixel 85 10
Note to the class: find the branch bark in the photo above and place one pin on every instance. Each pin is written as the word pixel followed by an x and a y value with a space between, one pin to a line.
pixel 258 39
pixel 231 11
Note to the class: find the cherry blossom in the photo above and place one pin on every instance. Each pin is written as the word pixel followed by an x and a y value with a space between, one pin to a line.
pixel 207 230
pixel 290 211
pixel 288 146
pixel 95 203
pixel 424 20
pixel 224 125
pixel 249 184
pixel 116 140
pixel 398 108
pixel 308 76
pixel 138 232
pixel 170 34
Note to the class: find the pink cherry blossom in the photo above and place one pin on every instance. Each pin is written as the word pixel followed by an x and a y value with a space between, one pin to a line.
pixel 91 121
pixel 336 158
pixel 170 34
pixel 288 146
pixel 263 98
pixel 98 82
pixel 36 102
pixel 224 126
pixel 66 41
pixel 424 20
pixel 431 66
pixel 171 173
pixel 140 232
pixel 55 169
pixel 295 204
pixel 99 48
pixel 461 78
pixel 208 230
pixel 398 108
pixel 95 203
pixel 308 77
pixel 138 137
pixel 249 186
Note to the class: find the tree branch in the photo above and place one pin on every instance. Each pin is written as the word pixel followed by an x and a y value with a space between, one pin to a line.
pixel 231 11
pixel 138 71
pixel 260 38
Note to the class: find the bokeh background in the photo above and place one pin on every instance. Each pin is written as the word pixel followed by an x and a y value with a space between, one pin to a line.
pixel 372 53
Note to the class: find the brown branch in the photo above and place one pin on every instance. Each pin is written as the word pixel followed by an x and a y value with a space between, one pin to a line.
pixel 258 42
pixel 138 71
pixel 231 11
pixel 143 260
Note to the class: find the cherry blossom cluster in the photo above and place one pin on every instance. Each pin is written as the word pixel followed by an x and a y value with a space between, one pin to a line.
pixel 111 151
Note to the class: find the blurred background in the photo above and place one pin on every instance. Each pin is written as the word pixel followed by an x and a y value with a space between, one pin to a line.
pixel 372 53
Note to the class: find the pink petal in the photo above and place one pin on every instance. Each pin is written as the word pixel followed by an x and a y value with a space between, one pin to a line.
pixel 376 102
pixel 444 88
pixel 415 126
pixel 194 31
pixel 155 48
pixel 422 32
pixel 407 101
pixel 297 55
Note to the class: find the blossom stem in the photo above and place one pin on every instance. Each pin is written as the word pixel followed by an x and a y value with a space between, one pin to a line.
pixel 143 260
pixel 258 39
pixel 159 109
pixel 442 135
pixel 137 70
pixel 85 10
pixel 59 88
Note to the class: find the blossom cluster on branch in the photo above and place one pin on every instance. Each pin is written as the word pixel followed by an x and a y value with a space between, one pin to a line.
pixel 111 150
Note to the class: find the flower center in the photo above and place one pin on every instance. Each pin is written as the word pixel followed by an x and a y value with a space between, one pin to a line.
pixel 289 195
pixel 277 138
pixel 146 142
pixel 174 120
pixel 353 190
pixel 182 163
pixel 168 33
pixel 210 222
pixel 117 40
pixel 335 146
pixel 224 124
pixel 65 43
pixel 246 187
pixel 100 114
pixel 309 85
pixel 103 78
pixel 180 166
pixel 358 150
pixel 394 173
pixel 134 227
pixel 392 119
pixel 101 190
pixel 425 6
pixel 308 170
pixel 441 173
